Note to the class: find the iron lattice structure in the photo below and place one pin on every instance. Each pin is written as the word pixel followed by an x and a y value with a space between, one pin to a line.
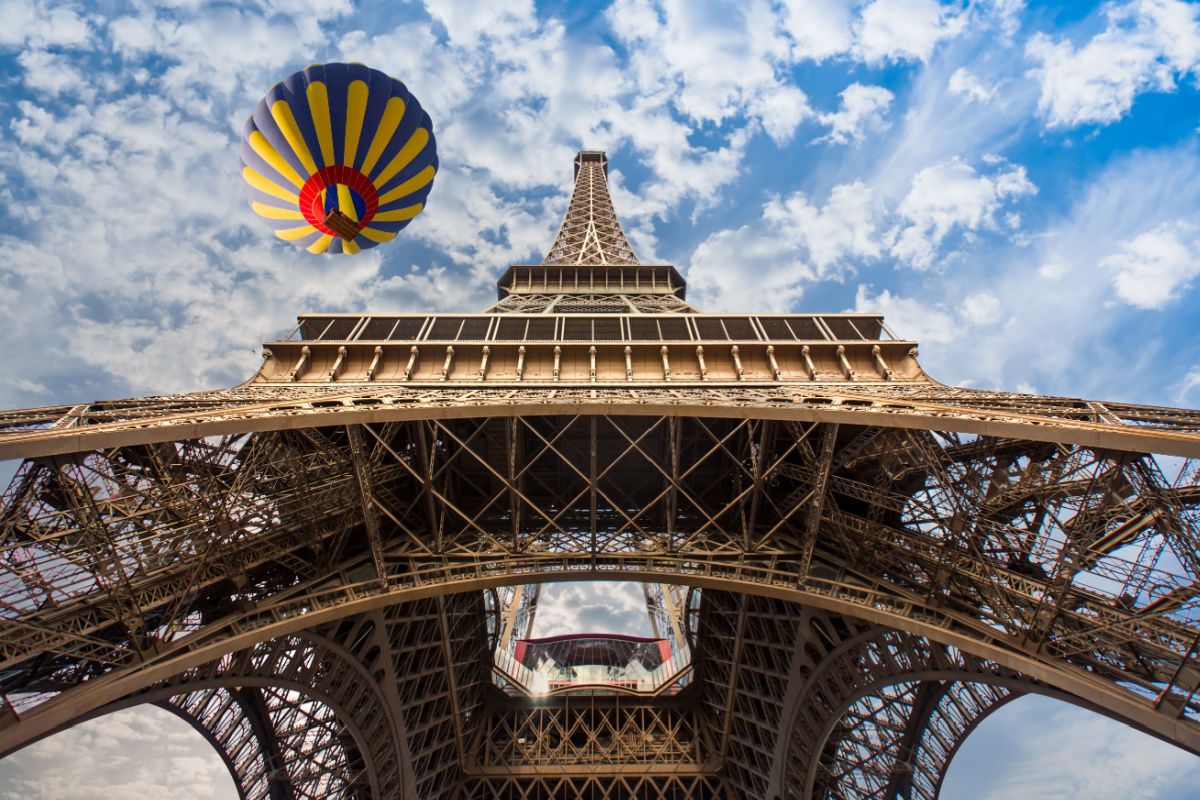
pixel 314 568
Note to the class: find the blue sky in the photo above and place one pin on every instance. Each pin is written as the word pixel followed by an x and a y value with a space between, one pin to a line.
pixel 1015 185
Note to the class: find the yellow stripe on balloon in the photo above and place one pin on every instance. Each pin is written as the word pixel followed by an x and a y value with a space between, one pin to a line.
pixel 383 134
pixel 268 187
pixel 275 212
pixel 376 235
pixel 292 234
pixel 350 248
pixel 400 214
pixel 260 145
pixel 409 186
pixel 281 111
pixel 402 159
pixel 346 201
pixel 356 108
pixel 318 106
pixel 320 245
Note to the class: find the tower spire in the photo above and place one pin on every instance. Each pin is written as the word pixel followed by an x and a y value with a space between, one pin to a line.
pixel 591 234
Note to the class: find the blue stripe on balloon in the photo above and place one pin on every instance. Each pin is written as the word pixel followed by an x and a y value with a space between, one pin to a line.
pixel 379 92
pixel 295 92
pixel 404 131
pixel 336 83
pixel 427 157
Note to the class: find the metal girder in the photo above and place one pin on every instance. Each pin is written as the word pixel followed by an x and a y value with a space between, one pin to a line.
pixel 816 502
pixel 925 700
pixel 264 408
pixel 590 735
pixel 650 787
pixel 362 474
pixel 254 709
pixel 218 716
pixel 883 713
pixel 451 679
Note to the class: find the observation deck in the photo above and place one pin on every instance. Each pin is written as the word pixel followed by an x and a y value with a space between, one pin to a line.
pixel 582 348
pixel 592 663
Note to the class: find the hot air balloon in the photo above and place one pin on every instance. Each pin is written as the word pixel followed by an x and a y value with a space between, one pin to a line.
pixel 338 158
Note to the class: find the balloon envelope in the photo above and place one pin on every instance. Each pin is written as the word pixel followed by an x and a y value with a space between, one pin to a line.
pixel 338 158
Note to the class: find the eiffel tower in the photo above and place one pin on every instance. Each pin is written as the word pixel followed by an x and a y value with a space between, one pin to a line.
pixel 331 570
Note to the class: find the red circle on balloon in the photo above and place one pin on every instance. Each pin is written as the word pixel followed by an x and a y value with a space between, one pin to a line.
pixel 312 206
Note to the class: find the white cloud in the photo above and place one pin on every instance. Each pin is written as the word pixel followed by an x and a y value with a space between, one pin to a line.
pixel 901 29
pixel 462 209
pixel 28 23
pixel 1146 46
pixel 1190 381
pixel 844 227
pixel 981 308
pixel 28 386
pixel 932 124
pixel 680 169
pixel 909 318
pixel 1057 314
pixel 818 29
pixel 129 755
pixel 766 264
pixel 1155 265
pixel 1006 14
pixel 211 55
pixel 591 607
pixel 49 73
pixel 442 78
pixel 965 84
pixel 1067 752
pixel 686 50
pixel 931 322
pixel 468 21
pixel 140 34
pixel 950 196
pixel 780 110
pixel 862 108
pixel 1052 270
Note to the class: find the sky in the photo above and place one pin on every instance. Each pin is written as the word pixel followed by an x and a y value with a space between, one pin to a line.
pixel 1013 184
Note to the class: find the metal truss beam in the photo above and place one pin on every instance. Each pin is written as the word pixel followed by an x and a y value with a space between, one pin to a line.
pixel 30 434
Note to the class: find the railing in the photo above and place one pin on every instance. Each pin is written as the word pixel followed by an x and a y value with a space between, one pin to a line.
pixel 559 326
pixel 509 669
pixel 672 670
pixel 665 677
